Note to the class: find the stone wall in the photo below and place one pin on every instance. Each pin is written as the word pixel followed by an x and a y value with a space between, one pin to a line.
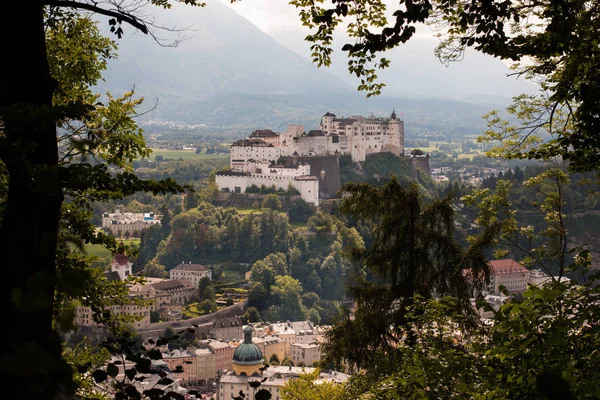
pixel 204 322
pixel 419 162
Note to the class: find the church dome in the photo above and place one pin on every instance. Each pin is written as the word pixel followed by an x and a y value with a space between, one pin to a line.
pixel 248 353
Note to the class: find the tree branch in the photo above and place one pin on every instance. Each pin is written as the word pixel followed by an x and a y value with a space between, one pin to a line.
pixel 131 20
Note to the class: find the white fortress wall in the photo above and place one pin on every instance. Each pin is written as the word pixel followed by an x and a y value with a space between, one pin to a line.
pixel 309 189
pixel 239 155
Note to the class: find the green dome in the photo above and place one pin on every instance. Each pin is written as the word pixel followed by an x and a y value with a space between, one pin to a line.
pixel 248 353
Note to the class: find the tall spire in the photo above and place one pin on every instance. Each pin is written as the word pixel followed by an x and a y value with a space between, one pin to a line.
pixel 248 334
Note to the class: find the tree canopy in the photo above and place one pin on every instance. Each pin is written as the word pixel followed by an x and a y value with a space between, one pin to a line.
pixel 414 252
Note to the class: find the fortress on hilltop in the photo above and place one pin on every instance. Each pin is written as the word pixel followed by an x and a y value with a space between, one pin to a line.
pixel 284 160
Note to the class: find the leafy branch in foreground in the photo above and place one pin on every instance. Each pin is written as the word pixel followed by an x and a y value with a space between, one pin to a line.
pixel 135 370
pixel 548 248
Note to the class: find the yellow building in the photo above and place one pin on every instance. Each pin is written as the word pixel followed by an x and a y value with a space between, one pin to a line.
pixel 270 345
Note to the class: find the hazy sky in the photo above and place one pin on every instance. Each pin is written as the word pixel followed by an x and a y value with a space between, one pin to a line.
pixel 281 21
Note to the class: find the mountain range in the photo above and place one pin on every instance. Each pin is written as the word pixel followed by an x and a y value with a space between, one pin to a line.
pixel 230 74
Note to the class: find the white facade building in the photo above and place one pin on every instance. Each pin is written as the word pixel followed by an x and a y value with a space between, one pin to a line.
pixel 356 135
pixel 254 172
pixel 190 272
pixel 118 223
pixel 510 274
pixel 306 354
pixel 122 266
pixel 256 149
pixel 540 278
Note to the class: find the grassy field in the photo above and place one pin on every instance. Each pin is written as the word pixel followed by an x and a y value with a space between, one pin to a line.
pixel 101 252
pixel 246 211
pixel 299 225
pixel 185 154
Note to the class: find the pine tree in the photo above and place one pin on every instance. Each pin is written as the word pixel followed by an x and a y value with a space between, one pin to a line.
pixel 414 252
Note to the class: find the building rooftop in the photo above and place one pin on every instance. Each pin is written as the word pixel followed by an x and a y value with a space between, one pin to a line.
pixel 254 142
pixel 248 353
pixel 267 339
pixel 217 344
pixel 190 267
pixel 203 351
pixel 263 133
pixel 233 173
pixel 121 258
pixel 227 322
pixel 177 353
pixel 506 266
pixel 306 345
pixel 301 325
pixel 173 284
pixel 344 121
pixel 282 328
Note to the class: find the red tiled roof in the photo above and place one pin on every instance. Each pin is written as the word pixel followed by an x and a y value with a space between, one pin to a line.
pixel 506 266
pixel 122 259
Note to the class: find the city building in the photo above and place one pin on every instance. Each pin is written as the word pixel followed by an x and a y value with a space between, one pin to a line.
pixel 123 224
pixel 495 302
pixel 206 363
pixel 284 331
pixel 270 345
pixel 187 360
pixel 305 354
pixel 121 265
pixel 248 366
pixel 168 295
pixel 508 273
pixel 539 278
pixel 140 312
pixel 142 382
pixel 306 332
pixel 223 353
pixel 190 272
pixel 230 328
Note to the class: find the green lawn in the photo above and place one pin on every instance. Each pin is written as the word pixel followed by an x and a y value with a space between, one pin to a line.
pixel 299 225
pixel 184 154
pixel 231 276
pixel 100 251
pixel 248 211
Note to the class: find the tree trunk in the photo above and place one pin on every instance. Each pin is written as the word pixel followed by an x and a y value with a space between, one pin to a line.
pixel 31 357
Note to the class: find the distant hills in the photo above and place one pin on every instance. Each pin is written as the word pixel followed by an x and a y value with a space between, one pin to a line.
pixel 231 75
